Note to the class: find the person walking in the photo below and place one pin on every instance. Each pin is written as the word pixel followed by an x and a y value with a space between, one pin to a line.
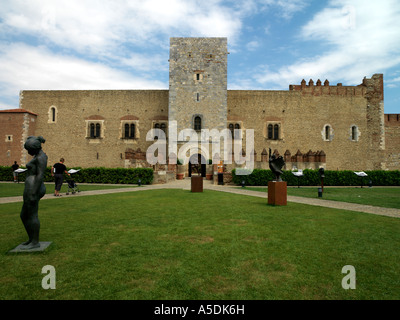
pixel 14 167
pixel 57 171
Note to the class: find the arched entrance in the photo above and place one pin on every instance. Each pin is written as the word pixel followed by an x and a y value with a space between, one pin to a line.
pixel 197 160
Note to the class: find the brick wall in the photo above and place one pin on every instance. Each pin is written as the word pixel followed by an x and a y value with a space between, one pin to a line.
pixel 15 126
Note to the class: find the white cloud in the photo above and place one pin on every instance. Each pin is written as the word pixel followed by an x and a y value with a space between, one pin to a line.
pixel 23 67
pixel 361 37
pixel 98 27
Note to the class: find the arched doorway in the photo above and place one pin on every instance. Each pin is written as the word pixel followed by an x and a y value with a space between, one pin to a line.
pixel 197 159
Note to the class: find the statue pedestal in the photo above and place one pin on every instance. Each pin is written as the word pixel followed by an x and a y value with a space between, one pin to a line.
pixel 277 193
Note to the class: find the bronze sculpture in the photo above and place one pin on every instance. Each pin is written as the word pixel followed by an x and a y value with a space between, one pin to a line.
pixel 276 164
pixel 34 191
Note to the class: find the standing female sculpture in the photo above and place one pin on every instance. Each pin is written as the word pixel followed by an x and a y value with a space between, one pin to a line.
pixel 34 191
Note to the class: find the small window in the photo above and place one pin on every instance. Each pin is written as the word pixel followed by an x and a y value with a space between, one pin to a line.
pixel 237 133
pixel 92 131
pixel 132 133
pixel 163 127
pixel 52 115
pixel 231 128
pixel 270 132
pixel 197 123
pixel 98 127
pixel 276 132
pixel 327 132
pixel 355 134
pixel 198 96
pixel 126 131
pixel 197 76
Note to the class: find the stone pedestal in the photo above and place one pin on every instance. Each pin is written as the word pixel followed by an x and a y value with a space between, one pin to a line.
pixel 43 246
pixel 277 193
pixel 197 184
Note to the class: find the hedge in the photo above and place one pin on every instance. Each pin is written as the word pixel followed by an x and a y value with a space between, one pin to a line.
pixel 93 175
pixel 260 177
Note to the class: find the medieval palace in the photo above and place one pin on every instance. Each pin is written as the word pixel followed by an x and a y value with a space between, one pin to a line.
pixel 312 124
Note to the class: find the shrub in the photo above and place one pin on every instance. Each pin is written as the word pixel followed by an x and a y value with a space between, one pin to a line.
pixel 260 177
pixel 94 175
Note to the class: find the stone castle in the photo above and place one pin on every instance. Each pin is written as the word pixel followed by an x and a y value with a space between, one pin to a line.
pixel 311 125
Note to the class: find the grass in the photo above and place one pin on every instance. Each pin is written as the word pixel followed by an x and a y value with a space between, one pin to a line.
pixel 174 244
pixel 17 189
pixel 381 197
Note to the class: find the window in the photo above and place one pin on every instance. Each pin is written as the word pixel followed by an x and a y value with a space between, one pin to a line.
pixel 237 132
pixel 197 76
pixel 231 128
pixel 327 133
pixel 52 114
pixel 129 129
pixel 354 133
pixel 161 126
pixel 129 132
pixel 273 131
pixel 270 131
pixel 94 129
pixel 197 123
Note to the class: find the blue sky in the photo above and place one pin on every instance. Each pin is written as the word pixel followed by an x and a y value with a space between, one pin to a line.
pixel 121 44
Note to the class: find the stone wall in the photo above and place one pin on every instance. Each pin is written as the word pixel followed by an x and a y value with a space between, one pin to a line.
pixel 69 137
pixel 392 141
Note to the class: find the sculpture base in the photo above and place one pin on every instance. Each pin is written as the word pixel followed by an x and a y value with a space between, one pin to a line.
pixel 43 246
pixel 197 184
pixel 277 193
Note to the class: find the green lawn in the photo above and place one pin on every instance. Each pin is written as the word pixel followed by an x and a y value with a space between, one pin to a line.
pixel 174 244
pixel 381 197
pixel 17 189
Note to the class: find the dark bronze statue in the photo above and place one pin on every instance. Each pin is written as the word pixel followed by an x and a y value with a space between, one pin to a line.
pixel 276 164
pixel 34 191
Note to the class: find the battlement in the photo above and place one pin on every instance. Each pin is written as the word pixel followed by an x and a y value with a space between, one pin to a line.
pixel 392 119
pixel 374 84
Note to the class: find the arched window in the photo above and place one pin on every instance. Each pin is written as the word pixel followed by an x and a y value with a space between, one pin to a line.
pixel 327 132
pixel 126 130
pixel 98 127
pixel 197 123
pixel 237 133
pixel 231 128
pixel 276 132
pixel 354 133
pixel 270 131
pixel 132 133
pixel 53 114
pixel 162 127
pixel 92 131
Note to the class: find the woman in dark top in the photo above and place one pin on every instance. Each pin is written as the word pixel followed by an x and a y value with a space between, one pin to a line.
pixel 34 190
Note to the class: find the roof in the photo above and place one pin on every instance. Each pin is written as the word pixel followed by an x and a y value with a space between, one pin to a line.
pixel 17 111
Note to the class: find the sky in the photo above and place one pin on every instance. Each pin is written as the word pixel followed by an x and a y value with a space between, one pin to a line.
pixel 124 44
